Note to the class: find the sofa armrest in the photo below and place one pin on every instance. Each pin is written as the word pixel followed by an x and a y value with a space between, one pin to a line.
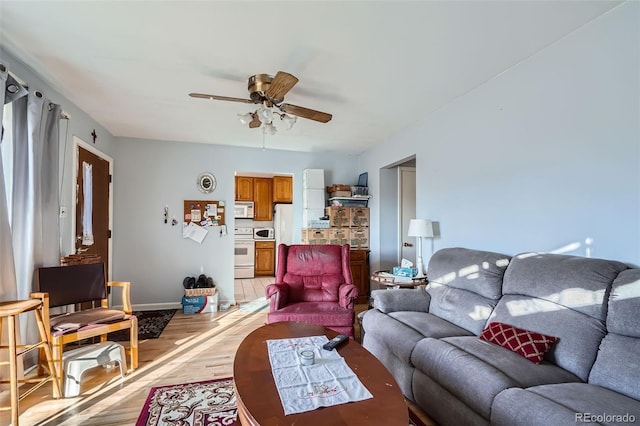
pixel 394 300
pixel 126 295
pixel 278 295
pixel 348 293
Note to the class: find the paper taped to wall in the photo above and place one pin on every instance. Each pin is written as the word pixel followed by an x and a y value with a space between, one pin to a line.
pixel 194 232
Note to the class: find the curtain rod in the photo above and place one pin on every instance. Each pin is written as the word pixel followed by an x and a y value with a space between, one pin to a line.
pixel 64 115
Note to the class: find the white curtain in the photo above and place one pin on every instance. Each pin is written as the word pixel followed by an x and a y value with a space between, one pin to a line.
pixel 87 208
pixel 34 227
pixel 8 285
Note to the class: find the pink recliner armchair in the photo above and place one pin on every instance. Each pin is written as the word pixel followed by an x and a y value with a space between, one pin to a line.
pixel 314 285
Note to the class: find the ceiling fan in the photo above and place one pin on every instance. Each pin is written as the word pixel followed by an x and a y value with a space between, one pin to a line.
pixel 269 92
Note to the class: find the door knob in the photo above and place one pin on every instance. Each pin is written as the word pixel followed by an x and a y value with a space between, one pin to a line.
pixel 408 245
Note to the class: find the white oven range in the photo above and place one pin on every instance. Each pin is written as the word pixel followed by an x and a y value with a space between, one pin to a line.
pixel 244 253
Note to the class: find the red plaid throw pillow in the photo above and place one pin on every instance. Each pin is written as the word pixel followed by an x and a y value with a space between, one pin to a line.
pixel 527 343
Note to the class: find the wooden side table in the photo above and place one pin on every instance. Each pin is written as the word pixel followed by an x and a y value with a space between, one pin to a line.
pixel 389 280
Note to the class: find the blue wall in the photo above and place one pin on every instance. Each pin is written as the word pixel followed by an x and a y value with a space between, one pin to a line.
pixel 543 157
pixel 151 174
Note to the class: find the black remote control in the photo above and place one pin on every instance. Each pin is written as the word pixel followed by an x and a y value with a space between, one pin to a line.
pixel 331 344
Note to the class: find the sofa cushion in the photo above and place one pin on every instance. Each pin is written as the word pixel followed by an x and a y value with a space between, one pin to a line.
pixel 465 285
pixel 529 344
pixel 444 408
pixel 562 296
pixel 583 282
pixel 390 334
pixel 392 343
pixel 578 335
pixel 401 299
pixel 475 371
pixel 480 272
pixel 618 365
pixel 429 325
pixel 563 404
pixel 461 307
pixel 624 304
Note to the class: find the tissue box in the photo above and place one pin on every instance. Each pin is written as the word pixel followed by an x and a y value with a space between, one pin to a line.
pixel 199 304
pixel 399 271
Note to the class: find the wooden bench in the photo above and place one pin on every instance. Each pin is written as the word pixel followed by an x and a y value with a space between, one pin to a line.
pixel 84 289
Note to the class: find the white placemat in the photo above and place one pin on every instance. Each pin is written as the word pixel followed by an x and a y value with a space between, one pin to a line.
pixel 329 381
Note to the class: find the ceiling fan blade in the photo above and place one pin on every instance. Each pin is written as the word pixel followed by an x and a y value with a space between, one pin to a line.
pixel 255 122
pixel 280 86
pixel 220 98
pixel 303 112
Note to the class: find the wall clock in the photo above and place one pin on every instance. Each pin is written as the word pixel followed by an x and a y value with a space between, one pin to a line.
pixel 206 183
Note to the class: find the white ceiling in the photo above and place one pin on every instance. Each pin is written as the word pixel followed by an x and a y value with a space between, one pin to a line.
pixel 377 67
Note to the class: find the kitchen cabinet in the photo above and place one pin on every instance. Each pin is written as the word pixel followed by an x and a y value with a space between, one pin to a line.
pixel 244 188
pixel 359 262
pixel 262 198
pixel 282 189
pixel 265 262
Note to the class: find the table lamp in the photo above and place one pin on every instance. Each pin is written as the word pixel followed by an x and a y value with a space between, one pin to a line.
pixel 420 228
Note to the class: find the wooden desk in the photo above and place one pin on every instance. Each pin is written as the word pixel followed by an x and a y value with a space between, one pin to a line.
pixel 258 400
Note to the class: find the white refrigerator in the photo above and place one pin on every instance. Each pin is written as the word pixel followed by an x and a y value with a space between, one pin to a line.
pixel 283 225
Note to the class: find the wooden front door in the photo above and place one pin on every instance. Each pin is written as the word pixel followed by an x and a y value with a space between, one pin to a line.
pixel 99 215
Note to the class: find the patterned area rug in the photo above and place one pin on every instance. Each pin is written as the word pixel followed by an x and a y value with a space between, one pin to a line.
pixel 206 403
pixel 202 403
pixel 150 325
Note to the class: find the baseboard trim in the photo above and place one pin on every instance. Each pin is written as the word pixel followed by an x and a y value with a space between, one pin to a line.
pixel 153 306
pixel 159 306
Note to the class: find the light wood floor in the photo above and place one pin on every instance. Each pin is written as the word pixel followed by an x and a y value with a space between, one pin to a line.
pixel 191 348
pixel 248 289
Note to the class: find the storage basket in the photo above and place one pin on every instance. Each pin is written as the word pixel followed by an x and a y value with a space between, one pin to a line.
pixel 193 292
pixel 338 187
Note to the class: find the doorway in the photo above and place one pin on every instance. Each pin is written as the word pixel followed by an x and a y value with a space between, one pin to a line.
pixel 397 208
pixel 257 236
pixel 93 203
pixel 406 212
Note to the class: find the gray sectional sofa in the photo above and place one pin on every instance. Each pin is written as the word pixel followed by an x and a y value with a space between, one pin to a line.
pixel 429 339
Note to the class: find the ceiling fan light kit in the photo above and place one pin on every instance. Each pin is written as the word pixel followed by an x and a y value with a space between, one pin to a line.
pixel 265 115
pixel 246 118
pixel 269 92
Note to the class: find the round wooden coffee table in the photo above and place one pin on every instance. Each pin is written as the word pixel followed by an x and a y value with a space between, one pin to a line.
pixel 259 402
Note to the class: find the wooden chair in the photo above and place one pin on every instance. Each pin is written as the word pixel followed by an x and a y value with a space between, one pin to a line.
pixel 10 310
pixel 82 285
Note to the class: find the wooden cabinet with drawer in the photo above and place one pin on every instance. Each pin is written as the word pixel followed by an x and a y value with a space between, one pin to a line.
pixel 359 262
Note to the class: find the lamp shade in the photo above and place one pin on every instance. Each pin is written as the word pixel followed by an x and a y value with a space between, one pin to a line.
pixel 420 228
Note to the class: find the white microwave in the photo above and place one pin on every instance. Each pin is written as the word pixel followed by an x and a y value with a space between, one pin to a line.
pixel 263 234
pixel 243 210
